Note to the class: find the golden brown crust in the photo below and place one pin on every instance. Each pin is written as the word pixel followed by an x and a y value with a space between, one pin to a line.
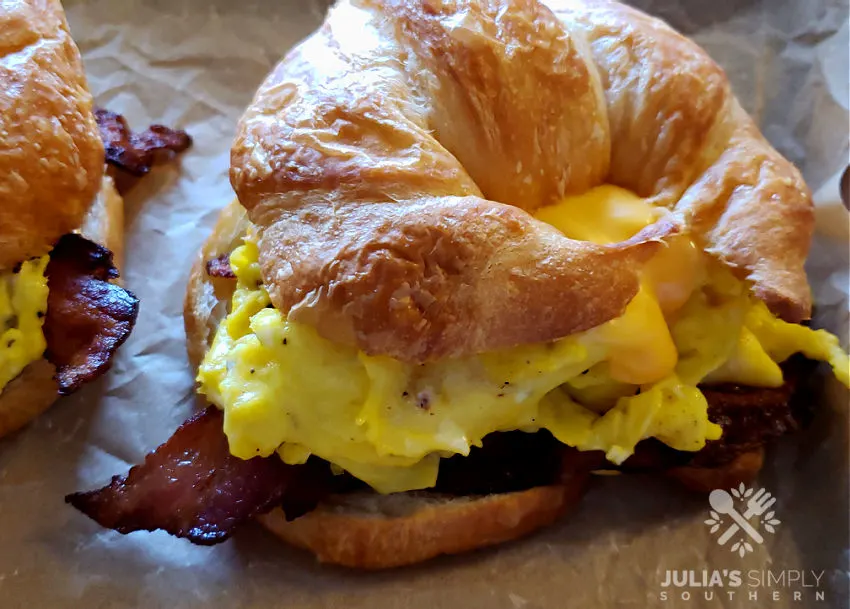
pixel 679 136
pixel 755 213
pixel 410 285
pixel 27 396
pixel 390 167
pixel 370 531
pixel 34 390
pixel 378 236
pixel 51 156
pixel 505 90
pixel 743 468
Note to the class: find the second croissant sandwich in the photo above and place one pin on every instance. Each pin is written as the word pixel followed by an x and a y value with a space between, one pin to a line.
pixel 62 313
pixel 481 249
pixel 61 221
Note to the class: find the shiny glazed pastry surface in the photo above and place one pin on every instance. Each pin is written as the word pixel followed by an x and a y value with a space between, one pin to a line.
pixel 51 155
pixel 392 162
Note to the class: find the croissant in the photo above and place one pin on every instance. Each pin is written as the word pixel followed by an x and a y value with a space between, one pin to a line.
pixel 60 319
pixel 52 156
pixel 481 249
pixel 392 161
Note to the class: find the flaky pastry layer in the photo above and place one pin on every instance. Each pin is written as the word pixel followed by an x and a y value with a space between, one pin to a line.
pixel 51 156
pixel 392 160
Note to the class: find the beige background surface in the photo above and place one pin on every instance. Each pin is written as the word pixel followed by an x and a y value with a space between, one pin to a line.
pixel 195 64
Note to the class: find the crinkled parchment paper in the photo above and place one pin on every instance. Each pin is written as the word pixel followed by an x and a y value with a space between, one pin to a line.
pixel 195 64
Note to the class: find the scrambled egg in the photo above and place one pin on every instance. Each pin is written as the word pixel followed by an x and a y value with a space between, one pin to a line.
pixel 23 303
pixel 285 389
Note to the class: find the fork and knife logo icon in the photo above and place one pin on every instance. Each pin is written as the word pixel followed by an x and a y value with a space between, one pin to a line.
pixel 755 503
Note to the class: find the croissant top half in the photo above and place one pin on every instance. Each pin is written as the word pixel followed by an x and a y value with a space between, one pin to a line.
pixel 391 162
pixel 51 155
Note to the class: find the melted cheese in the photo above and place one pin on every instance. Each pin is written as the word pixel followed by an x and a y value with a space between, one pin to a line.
pixel 23 302
pixel 285 389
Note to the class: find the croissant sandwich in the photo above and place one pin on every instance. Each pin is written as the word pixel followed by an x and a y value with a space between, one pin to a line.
pixel 61 219
pixel 481 250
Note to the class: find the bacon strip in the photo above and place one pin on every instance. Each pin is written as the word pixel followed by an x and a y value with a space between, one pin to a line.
pixel 220 267
pixel 136 153
pixel 87 317
pixel 191 486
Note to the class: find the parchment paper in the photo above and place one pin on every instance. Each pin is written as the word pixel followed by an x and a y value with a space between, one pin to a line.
pixel 195 64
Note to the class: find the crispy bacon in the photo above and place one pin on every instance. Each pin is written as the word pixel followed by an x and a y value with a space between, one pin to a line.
pixel 136 153
pixel 220 267
pixel 192 486
pixel 87 317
